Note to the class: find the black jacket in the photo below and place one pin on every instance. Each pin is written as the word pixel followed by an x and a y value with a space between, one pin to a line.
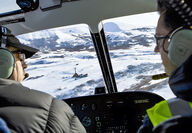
pixel 147 126
pixel 180 83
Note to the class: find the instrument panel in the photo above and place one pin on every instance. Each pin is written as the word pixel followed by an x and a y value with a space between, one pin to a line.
pixel 121 112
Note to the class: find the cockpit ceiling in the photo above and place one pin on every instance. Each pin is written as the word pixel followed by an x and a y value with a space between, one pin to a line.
pixel 90 12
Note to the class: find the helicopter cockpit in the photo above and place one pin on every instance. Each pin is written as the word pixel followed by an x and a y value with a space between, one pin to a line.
pixel 103 69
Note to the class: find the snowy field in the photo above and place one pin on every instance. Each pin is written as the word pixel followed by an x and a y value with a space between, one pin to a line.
pixel 52 72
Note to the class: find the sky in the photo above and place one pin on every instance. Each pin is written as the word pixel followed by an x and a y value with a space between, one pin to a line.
pixel 148 19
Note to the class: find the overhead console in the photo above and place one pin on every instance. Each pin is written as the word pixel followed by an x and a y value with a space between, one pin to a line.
pixel 16 15
pixel 113 113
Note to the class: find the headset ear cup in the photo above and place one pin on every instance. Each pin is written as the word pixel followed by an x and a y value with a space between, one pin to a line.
pixel 180 46
pixel 7 63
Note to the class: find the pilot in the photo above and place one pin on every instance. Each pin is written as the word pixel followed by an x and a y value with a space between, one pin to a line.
pixel 26 110
pixel 174 43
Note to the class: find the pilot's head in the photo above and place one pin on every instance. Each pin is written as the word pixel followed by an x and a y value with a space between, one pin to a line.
pixel 173 32
pixel 12 56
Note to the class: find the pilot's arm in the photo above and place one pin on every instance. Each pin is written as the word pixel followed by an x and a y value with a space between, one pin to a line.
pixel 147 126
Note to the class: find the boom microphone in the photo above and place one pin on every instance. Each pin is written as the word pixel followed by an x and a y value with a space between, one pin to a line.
pixel 26 75
pixel 159 76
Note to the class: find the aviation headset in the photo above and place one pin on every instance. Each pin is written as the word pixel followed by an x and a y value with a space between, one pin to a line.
pixel 180 40
pixel 180 46
pixel 7 60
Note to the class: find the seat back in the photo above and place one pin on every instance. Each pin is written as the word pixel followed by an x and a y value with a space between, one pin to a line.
pixel 177 124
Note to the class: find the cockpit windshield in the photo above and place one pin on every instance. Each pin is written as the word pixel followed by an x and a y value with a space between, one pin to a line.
pixel 66 65
pixel 131 46
pixel 8 6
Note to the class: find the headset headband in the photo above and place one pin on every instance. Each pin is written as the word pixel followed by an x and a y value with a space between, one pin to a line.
pixel 174 31
pixel 3 37
pixel 183 10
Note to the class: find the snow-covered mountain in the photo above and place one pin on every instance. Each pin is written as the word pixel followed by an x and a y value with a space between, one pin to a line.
pixel 79 38
pixel 65 51
pixel 70 39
